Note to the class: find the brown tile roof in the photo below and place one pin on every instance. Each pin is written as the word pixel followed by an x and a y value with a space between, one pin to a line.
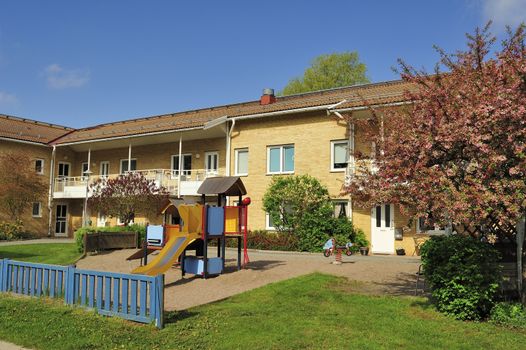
pixel 378 93
pixel 30 130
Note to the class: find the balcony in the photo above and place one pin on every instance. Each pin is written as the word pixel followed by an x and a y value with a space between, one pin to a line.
pixel 76 186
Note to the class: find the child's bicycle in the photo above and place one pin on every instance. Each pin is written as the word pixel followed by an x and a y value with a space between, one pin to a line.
pixel 347 248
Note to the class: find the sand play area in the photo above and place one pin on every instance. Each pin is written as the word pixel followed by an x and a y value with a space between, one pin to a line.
pixel 379 274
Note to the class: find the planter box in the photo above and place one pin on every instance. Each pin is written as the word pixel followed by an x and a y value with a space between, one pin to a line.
pixel 109 240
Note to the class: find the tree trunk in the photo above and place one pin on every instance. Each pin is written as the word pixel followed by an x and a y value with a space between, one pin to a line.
pixel 520 273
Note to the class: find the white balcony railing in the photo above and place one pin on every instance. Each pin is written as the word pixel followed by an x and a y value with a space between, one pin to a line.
pixel 76 186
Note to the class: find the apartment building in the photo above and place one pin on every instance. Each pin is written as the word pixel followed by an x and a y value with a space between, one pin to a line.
pixel 298 134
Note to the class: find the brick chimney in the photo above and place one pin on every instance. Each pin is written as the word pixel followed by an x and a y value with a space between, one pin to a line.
pixel 267 97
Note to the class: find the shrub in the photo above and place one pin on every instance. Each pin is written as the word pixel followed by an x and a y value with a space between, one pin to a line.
pixel 463 274
pixel 264 240
pixel 301 206
pixel 10 231
pixel 79 234
pixel 509 314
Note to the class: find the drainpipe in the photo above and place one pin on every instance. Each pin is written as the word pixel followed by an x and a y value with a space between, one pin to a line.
pixel 180 165
pixel 229 146
pixel 51 189
pixel 85 209
pixel 129 157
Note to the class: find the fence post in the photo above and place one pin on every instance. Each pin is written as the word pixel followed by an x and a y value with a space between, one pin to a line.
pixel 4 281
pixel 69 285
pixel 159 301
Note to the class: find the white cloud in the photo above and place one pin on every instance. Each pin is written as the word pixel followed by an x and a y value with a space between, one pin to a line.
pixel 58 77
pixel 7 99
pixel 505 12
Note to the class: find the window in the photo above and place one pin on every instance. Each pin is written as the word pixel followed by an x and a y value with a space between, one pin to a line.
pixel 241 162
pixel 104 169
pixel 37 210
pixel 84 169
pixel 124 165
pixel 39 166
pixel 211 163
pixel 187 164
pixel 430 227
pixel 339 155
pixel 341 209
pixel 269 223
pixel 280 159
pixel 63 170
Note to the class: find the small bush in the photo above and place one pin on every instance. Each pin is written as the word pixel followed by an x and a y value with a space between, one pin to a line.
pixel 463 274
pixel 264 240
pixel 509 314
pixel 11 231
pixel 79 234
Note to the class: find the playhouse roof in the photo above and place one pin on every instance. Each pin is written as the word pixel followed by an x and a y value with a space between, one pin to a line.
pixel 226 185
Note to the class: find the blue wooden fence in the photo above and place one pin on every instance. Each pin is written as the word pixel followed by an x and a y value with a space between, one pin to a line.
pixel 134 297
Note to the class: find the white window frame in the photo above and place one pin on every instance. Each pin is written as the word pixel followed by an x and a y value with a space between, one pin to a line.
pixel 185 172
pixel 281 159
pixel 207 166
pixel 101 220
pixel 333 144
pixel 236 161
pixel 101 167
pixel 82 169
pixel 39 215
pixel 339 201
pixel 125 160
pixel 41 172
pixel 429 232
pixel 267 223
pixel 69 169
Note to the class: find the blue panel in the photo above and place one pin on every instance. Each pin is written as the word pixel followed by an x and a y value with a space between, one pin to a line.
pixel 142 300
pixel 39 281
pixel 116 294
pixel 195 265
pixel 91 294
pixel 155 235
pixel 215 223
pixel 133 302
pixel 99 292
pixel 84 289
pixel 125 283
pixel 46 281
pixel 52 283
pixel 107 293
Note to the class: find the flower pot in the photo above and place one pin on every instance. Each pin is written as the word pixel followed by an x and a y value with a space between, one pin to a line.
pixel 400 251
pixel 364 250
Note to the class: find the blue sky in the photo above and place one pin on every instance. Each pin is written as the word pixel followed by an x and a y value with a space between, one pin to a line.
pixel 84 63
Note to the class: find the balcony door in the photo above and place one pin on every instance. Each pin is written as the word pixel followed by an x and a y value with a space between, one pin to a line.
pixel 187 166
pixel 211 163
pixel 382 229
pixel 104 169
pixel 63 169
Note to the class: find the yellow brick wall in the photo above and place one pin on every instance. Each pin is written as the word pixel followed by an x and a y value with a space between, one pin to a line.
pixel 311 134
pixel 34 225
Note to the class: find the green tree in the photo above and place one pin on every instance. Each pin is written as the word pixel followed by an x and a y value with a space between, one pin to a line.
pixel 19 186
pixel 301 206
pixel 329 71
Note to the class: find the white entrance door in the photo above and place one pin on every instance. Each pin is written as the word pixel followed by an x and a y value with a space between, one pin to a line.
pixel 382 229
pixel 61 220
pixel 211 163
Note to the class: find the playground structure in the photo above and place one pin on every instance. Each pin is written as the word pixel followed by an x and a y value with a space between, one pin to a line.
pixel 199 224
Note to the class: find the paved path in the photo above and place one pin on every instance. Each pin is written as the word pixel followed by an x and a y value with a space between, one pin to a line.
pixel 9 346
pixel 38 241
pixel 380 274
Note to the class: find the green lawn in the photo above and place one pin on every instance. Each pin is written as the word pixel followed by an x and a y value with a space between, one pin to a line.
pixel 48 253
pixel 314 311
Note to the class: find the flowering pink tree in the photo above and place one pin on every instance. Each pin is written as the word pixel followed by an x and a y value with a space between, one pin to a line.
pixel 126 195
pixel 456 154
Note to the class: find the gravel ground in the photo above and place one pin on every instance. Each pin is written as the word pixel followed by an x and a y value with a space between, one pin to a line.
pixel 379 274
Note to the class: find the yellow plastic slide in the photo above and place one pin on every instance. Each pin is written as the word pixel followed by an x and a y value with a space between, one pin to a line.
pixel 191 216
